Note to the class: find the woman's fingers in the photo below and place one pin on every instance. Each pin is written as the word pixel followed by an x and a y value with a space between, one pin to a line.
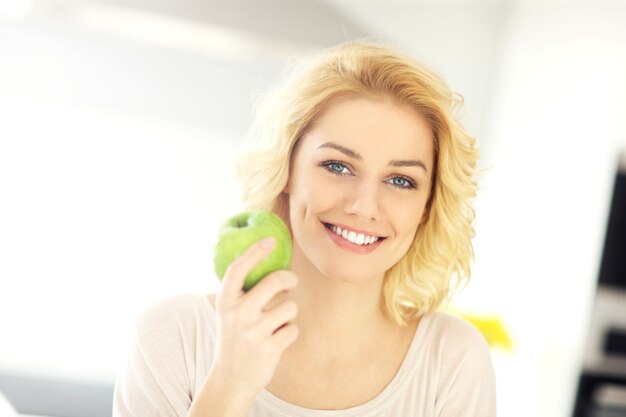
pixel 278 316
pixel 266 289
pixel 238 270
pixel 285 336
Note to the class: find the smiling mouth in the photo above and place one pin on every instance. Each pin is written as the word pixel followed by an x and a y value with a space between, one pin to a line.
pixel 353 237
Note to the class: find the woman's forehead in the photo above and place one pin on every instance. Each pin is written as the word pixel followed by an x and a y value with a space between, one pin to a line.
pixel 365 125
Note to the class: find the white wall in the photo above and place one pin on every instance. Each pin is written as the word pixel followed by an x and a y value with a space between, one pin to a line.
pixel 557 125
pixel 101 215
pixel 115 173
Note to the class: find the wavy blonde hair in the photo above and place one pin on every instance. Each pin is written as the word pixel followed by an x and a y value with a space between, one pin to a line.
pixel 439 258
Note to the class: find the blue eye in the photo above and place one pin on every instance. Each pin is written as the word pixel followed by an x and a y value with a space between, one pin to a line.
pixel 335 167
pixel 403 182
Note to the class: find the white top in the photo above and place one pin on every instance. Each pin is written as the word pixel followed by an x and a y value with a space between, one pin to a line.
pixel 447 371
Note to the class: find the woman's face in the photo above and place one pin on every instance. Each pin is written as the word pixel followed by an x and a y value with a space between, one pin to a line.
pixel 358 188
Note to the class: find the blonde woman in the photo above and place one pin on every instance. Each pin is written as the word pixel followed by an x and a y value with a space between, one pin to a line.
pixel 362 156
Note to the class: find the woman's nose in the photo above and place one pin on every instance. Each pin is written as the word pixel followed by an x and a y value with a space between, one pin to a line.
pixel 363 201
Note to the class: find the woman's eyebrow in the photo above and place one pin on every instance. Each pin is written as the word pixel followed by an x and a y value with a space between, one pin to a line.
pixel 342 149
pixel 408 163
pixel 357 156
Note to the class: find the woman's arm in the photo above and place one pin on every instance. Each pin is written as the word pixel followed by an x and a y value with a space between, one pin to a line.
pixel 250 340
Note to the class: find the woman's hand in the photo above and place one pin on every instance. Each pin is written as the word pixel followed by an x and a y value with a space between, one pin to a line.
pixel 251 336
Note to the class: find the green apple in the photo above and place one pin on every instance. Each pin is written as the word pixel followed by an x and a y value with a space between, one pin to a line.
pixel 243 230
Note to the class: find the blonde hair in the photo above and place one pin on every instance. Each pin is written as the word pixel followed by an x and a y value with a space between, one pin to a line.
pixel 439 258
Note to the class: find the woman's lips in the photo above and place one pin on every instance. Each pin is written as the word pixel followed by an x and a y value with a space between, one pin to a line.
pixel 349 246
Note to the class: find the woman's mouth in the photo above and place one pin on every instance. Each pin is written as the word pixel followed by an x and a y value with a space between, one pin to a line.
pixel 352 240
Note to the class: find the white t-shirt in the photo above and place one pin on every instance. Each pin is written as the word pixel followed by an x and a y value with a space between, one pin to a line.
pixel 447 371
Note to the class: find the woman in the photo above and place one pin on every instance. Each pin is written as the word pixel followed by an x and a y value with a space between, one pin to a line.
pixel 362 157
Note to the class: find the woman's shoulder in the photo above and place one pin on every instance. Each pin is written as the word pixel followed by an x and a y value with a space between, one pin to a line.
pixel 460 348
pixel 455 336
pixel 175 314
pixel 171 348
pixel 451 325
pixel 462 366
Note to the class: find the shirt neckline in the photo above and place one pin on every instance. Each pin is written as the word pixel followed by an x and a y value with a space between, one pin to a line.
pixel 372 406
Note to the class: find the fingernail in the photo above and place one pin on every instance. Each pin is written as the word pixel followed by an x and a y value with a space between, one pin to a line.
pixel 268 243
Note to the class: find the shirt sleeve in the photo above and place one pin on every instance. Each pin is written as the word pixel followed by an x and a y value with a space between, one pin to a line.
pixel 155 380
pixel 467 384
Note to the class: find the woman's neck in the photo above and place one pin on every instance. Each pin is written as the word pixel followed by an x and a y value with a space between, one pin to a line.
pixel 333 312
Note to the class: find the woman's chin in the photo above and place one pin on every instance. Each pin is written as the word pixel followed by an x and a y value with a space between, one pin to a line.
pixel 343 274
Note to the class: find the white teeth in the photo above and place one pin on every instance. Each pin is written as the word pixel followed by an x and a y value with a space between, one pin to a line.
pixel 356 238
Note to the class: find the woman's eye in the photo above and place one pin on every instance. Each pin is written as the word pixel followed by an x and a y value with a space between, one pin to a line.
pixel 336 167
pixel 402 182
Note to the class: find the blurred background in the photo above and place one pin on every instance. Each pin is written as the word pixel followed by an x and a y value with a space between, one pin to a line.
pixel 119 122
